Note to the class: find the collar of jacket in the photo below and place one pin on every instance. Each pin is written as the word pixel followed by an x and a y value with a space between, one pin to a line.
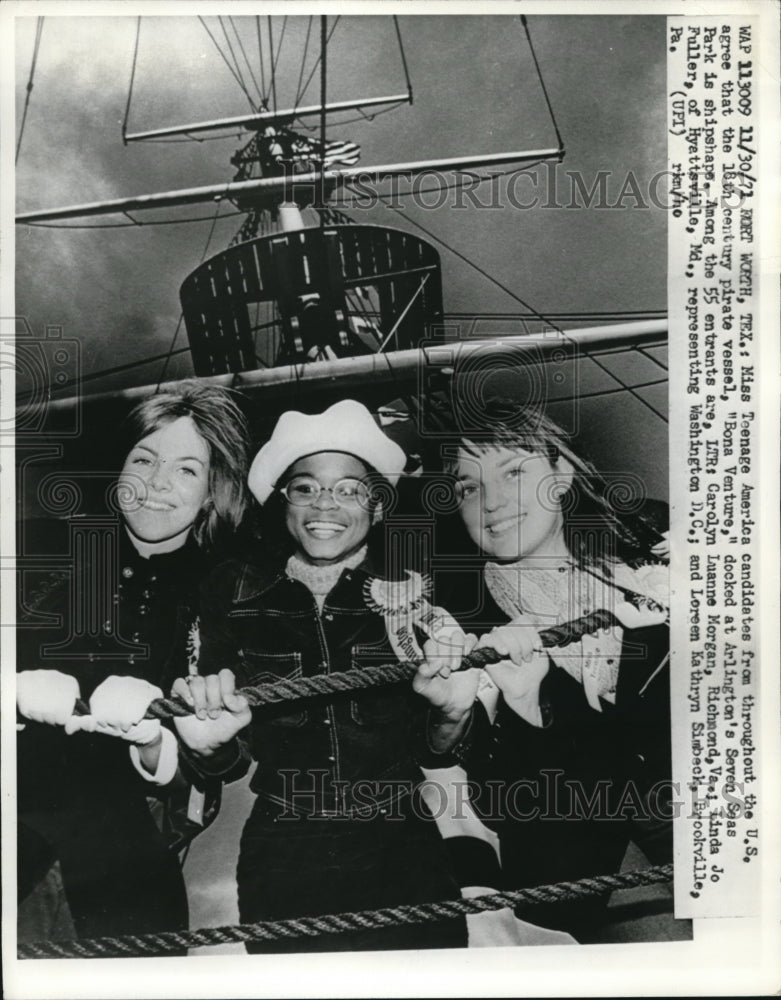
pixel 255 579
pixel 188 558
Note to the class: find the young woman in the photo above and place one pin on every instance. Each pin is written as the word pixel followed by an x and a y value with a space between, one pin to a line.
pixel 83 781
pixel 336 825
pixel 575 757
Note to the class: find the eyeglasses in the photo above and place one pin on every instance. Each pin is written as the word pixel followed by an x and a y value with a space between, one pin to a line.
pixel 304 491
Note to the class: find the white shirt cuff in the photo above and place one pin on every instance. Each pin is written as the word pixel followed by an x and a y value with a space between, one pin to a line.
pixel 166 764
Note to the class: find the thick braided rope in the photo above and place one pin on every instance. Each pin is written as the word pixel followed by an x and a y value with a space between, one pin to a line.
pixel 339 923
pixel 376 676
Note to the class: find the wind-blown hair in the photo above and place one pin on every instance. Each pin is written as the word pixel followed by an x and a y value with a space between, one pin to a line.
pixel 596 530
pixel 223 427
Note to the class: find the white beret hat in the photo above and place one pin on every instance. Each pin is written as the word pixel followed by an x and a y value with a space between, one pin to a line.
pixel 346 426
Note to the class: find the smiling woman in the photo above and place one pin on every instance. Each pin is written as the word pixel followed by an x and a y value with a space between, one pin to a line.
pixel 125 615
pixel 336 824
pixel 500 490
pixel 586 722
pixel 325 517
pixel 164 485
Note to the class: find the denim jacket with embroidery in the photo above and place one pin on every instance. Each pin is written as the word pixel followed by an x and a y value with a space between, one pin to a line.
pixel 351 754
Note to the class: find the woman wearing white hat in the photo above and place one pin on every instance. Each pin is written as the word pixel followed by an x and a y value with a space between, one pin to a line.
pixel 336 825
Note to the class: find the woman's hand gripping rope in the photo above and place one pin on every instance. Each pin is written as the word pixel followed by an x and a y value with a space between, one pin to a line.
pixel 180 706
pixel 520 674
pixel 219 713
pixel 117 706
pixel 439 680
pixel 450 691
pixel 46 696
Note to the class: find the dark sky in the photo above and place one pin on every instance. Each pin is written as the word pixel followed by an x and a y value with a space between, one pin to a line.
pixel 476 91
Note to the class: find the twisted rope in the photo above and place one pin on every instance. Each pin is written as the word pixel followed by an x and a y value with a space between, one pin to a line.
pixel 376 676
pixel 339 923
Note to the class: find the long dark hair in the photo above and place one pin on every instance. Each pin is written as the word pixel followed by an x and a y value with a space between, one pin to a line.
pixel 223 427
pixel 602 522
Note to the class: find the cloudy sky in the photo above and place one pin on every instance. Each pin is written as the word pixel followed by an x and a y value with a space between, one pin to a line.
pixel 116 289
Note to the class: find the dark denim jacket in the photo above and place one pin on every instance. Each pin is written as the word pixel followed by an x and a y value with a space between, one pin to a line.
pixel 67 781
pixel 351 754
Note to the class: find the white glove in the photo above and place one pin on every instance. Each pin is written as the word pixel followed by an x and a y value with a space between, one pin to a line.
pixel 117 708
pixel 46 696
pixel 501 928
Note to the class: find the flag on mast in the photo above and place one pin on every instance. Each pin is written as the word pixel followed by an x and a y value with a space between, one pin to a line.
pixel 336 151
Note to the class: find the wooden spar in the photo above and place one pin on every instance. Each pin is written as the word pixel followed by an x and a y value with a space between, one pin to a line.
pixel 373 369
pixel 271 185
pixel 257 121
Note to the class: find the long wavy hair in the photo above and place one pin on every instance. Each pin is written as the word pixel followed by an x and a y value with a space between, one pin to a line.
pixel 222 425
pixel 602 522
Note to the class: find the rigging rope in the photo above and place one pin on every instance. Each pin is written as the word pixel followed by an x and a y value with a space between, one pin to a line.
pixel 542 82
pixel 129 225
pixel 273 83
pixel 263 91
pixel 170 352
pixel 320 195
pixel 515 296
pixel 468 176
pixel 132 79
pixel 36 46
pixel 299 93
pixel 225 60
pixel 246 60
pixel 407 308
pixel 646 354
pixel 362 116
pixel 599 393
pixel 103 373
pixel 340 923
pixel 499 284
pixel 238 74
pixel 181 314
pixel 403 57
pixel 275 61
pixel 188 137
pixel 317 61
pixel 580 315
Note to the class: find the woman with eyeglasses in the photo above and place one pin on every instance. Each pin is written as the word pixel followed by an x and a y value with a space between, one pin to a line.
pixel 336 825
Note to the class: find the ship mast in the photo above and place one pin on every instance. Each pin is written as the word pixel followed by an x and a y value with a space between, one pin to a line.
pixel 302 293
pixel 282 174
